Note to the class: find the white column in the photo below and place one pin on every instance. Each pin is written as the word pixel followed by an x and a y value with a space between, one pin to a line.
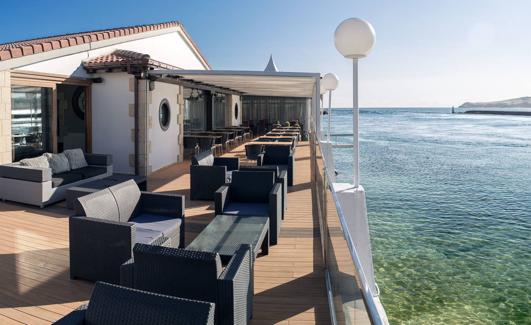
pixel 355 125
pixel 317 106
pixel 329 113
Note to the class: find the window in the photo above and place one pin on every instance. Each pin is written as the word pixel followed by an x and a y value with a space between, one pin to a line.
pixel 164 114
pixel 194 110
pixel 30 121
pixel 219 110
pixel 236 109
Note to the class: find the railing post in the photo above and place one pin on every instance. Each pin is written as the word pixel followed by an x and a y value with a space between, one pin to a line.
pixel 355 125
pixel 329 114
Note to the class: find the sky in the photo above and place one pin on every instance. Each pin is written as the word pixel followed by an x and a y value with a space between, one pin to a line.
pixel 427 54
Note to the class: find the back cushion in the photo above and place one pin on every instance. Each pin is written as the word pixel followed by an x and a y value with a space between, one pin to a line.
pixel 41 161
pixel 112 304
pixel 127 195
pixel 205 158
pixel 100 205
pixel 177 272
pixel 247 186
pixel 58 162
pixel 76 158
pixel 276 155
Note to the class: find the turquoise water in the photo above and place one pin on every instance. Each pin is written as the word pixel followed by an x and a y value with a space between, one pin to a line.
pixel 449 200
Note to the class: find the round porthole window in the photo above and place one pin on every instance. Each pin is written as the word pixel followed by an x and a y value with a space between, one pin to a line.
pixel 164 114
pixel 78 102
pixel 236 109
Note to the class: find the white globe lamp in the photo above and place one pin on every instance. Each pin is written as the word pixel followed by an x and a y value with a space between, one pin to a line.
pixel 354 39
pixel 329 81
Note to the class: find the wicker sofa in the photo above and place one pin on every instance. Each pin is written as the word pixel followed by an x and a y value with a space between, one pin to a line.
pixel 108 223
pixel 253 193
pixel 38 186
pixel 112 304
pixel 208 173
pixel 195 275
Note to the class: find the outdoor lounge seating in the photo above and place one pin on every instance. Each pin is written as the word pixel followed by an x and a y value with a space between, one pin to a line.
pixel 252 194
pixel 254 151
pixel 281 177
pixel 40 186
pixel 281 156
pixel 111 221
pixel 208 173
pixel 195 275
pixel 117 305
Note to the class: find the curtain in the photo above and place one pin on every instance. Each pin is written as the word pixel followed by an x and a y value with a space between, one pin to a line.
pixel 273 109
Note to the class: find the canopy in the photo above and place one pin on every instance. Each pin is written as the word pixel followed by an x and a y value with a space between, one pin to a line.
pixel 257 83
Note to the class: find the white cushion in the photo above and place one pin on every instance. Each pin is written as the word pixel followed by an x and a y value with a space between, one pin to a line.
pixel 58 163
pixel 41 161
pixel 76 158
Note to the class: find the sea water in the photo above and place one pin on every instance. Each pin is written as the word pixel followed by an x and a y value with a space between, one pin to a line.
pixel 449 206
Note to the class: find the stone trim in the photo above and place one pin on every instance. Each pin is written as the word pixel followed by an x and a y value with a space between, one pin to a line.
pixel 6 154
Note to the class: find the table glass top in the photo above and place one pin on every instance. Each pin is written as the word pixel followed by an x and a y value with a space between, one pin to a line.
pixel 226 233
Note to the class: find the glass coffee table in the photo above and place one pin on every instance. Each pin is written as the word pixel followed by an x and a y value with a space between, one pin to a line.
pixel 226 233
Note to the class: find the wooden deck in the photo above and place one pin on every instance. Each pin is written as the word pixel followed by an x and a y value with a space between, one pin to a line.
pixel 35 287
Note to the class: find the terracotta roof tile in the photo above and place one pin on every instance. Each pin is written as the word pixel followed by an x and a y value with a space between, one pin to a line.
pixel 38 45
pixel 124 59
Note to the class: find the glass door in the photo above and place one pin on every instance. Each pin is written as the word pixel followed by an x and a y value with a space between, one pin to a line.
pixel 31 109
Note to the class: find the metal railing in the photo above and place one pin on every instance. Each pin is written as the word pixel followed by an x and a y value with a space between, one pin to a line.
pixel 350 296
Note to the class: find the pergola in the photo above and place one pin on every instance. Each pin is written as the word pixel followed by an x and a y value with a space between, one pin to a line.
pixel 252 83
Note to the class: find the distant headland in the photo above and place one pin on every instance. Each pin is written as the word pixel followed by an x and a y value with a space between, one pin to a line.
pixel 521 102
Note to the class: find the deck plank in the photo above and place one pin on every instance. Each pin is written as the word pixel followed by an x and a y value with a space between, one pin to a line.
pixel 289 282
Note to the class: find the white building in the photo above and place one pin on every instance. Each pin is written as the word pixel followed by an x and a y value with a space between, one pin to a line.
pixel 97 91
pixel 88 90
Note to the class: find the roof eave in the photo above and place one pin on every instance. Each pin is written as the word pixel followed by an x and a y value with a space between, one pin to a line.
pixel 22 61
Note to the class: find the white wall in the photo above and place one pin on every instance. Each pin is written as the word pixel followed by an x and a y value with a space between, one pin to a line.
pixel 164 144
pixel 232 100
pixel 111 121
pixel 170 48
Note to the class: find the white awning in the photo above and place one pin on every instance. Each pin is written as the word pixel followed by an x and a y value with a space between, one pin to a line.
pixel 257 83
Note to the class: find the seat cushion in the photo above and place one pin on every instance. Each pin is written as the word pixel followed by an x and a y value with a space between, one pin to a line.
pixel 65 178
pixel 166 225
pixel 147 236
pixel 247 209
pixel 90 171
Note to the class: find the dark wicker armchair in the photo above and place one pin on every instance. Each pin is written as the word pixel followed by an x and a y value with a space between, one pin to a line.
pixel 254 151
pixel 112 304
pixel 109 223
pixel 281 177
pixel 208 173
pixel 281 156
pixel 253 194
pixel 195 275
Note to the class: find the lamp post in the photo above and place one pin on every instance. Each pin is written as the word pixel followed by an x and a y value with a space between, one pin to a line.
pixel 354 39
pixel 329 83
